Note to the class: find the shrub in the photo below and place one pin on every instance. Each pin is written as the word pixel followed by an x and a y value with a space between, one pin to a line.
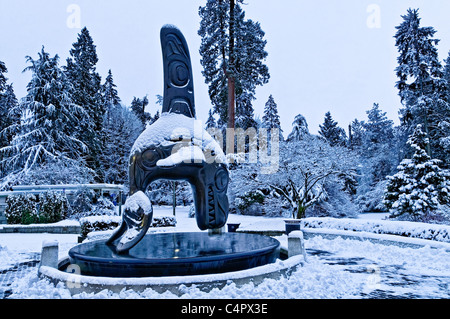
pixel 25 209
pixel 21 209
pixel 53 207
pixel 83 201
pixel 102 223
pixel 98 223
pixel 249 199
pixel 191 213
pixel 104 206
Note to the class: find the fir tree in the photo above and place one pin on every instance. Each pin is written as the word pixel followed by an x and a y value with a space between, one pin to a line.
pixel 444 124
pixel 9 114
pixel 232 51
pixel 300 129
pixel 121 128
pixel 379 144
pixel 48 133
pixel 421 85
pixel 210 122
pixel 244 112
pixel 8 103
pixel 81 72
pixel 3 78
pixel 110 97
pixel 271 119
pixel 420 185
pixel 111 102
pixel 356 135
pixel 330 130
pixel 376 147
pixel 138 107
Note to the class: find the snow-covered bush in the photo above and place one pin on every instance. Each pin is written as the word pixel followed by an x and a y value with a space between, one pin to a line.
pixel 400 228
pixel 248 194
pixel 47 207
pixel 21 209
pixel 102 223
pixel 161 193
pixel 191 213
pixel 250 202
pixel 164 221
pixel 372 200
pixel 98 223
pixel 53 207
pixel 83 201
pixel 103 206
pixel 337 204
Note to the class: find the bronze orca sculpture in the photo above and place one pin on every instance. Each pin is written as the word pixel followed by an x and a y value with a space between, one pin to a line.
pixel 175 147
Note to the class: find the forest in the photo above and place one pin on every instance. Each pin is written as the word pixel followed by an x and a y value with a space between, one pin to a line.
pixel 73 128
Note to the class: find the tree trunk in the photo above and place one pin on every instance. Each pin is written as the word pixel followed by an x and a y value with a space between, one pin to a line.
pixel 300 211
pixel 231 75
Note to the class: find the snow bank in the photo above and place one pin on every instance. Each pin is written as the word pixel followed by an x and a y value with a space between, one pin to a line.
pixel 400 228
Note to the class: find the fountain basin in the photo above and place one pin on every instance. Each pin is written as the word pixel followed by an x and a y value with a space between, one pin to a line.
pixel 177 254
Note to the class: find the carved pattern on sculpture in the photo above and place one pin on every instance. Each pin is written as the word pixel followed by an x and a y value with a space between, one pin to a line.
pixel 175 147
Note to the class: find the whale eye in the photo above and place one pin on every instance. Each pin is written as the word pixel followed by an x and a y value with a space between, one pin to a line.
pixel 221 179
pixel 150 158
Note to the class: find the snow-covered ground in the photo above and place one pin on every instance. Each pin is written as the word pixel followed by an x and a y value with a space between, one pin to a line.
pixel 335 268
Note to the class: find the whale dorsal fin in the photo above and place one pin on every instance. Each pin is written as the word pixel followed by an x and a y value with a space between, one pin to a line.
pixel 178 80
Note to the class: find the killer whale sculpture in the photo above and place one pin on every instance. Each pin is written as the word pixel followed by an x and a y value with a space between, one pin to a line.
pixel 175 147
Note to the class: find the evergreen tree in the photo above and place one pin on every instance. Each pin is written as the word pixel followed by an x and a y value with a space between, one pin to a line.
pixel 111 102
pixel 121 128
pixel 138 107
pixel 379 145
pixel 421 86
pixel 244 112
pixel 420 185
pixel 447 76
pixel 9 116
pixel 210 122
pixel 8 103
pixel 330 130
pixel 299 129
pixel 81 72
pixel 3 78
pixel 379 129
pixel 110 97
pixel 48 133
pixel 377 150
pixel 232 52
pixel 444 124
pixel 356 135
pixel 271 119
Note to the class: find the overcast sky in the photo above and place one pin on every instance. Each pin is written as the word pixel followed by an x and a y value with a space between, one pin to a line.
pixel 324 55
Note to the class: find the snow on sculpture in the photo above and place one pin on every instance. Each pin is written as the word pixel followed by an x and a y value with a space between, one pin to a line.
pixel 175 147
